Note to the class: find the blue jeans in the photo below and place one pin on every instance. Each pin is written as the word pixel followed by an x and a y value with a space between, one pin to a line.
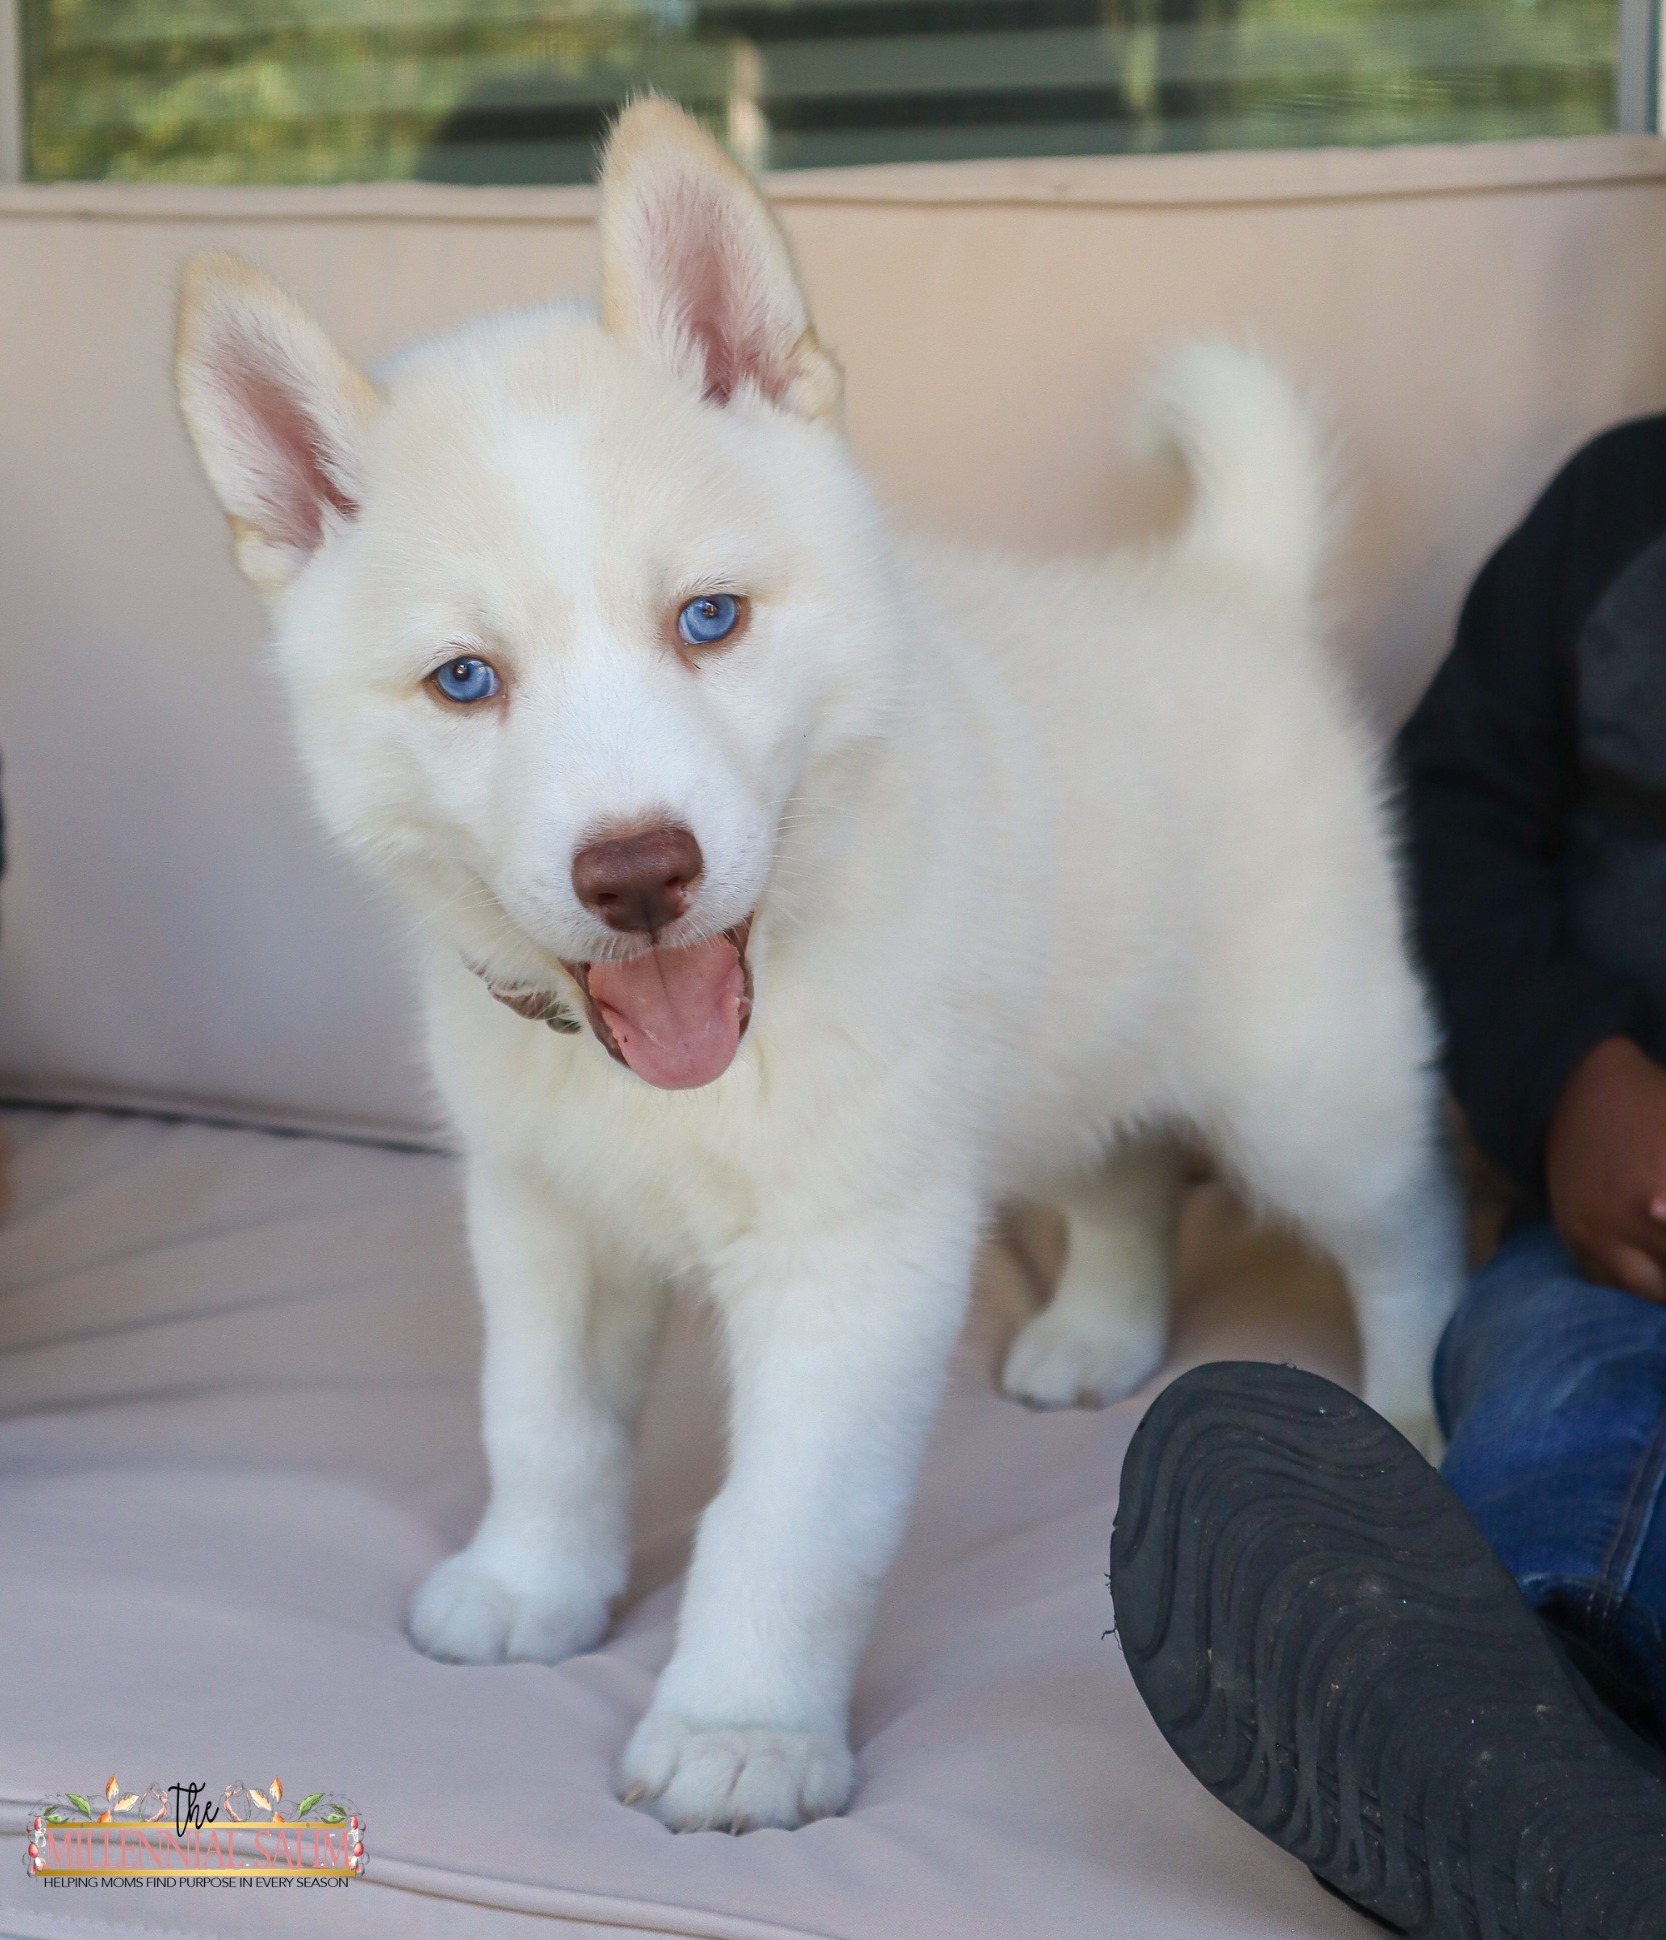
pixel 1552 1395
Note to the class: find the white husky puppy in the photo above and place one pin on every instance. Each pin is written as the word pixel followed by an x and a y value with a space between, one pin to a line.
pixel 864 883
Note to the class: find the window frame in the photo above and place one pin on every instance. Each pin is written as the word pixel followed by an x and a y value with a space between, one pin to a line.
pixel 11 92
pixel 1640 67
pixel 1642 80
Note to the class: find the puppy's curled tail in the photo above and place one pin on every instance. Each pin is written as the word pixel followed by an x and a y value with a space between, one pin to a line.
pixel 1260 472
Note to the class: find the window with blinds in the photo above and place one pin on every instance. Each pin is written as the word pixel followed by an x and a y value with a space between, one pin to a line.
pixel 520 90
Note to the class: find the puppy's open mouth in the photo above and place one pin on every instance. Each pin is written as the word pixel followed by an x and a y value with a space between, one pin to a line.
pixel 675 1017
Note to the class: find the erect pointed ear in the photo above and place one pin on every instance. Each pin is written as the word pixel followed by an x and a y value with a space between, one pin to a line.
pixel 696 271
pixel 277 414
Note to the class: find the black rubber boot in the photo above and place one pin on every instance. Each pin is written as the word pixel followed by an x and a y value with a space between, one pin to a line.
pixel 1330 1646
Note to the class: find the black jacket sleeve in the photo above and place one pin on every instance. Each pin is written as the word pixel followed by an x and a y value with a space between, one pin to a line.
pixel 1490 765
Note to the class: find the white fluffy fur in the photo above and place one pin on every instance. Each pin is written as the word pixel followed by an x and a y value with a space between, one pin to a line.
pixel 1047 859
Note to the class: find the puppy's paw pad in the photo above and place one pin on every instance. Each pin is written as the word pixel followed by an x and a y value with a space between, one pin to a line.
pixel 1056 1363
pixel 735 1779
pixel 466 1613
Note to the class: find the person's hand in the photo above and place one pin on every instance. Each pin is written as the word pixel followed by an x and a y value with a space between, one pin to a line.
pixel 1605 1166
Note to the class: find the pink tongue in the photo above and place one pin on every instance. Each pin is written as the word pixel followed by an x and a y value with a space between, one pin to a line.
pixel 675 1014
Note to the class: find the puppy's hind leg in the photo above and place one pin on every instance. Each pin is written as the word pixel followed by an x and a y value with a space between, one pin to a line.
pixel 1340 1132
pixel 1105 1329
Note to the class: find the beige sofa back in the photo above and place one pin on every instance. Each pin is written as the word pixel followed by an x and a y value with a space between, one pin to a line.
pixel 175 932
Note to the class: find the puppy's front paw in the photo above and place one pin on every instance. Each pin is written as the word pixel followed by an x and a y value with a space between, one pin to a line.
pixel 467 1613
pixel 733 1780
pixel 1060 1360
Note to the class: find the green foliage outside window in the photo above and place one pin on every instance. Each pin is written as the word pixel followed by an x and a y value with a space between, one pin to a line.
pixel 520 90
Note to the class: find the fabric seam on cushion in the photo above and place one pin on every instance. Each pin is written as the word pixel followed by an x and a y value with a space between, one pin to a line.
pixel 229 1119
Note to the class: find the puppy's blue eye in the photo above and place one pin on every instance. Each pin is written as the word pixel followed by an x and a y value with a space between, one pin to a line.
pixel 467 678
pixel 710 618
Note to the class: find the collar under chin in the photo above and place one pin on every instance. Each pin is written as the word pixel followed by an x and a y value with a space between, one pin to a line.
pixel 536 1006
pixel 539 1006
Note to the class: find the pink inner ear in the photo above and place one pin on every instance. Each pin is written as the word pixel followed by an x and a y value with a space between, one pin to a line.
pixel 297 480
pixel 713 280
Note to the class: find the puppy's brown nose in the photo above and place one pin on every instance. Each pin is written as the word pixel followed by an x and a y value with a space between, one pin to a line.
pixel 639 882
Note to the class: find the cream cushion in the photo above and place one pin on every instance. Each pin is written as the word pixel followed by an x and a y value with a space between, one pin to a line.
pixel 237 1425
